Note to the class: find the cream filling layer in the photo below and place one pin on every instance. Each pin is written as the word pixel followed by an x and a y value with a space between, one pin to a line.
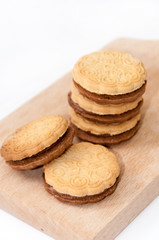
pixel 101 109
pixel 102 128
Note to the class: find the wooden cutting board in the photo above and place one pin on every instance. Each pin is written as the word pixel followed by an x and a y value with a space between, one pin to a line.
pixel 22 193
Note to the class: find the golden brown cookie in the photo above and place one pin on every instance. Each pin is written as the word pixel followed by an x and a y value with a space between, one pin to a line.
pixel 36 143
pixel 98 128
pixel 109 72
pixel 111 118
pixel 47 155
pixel 112 99
pixel 84 173
pixel 101 108
pixel 106 139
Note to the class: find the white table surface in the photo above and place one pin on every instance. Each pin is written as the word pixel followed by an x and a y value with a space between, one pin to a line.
pixel 40 40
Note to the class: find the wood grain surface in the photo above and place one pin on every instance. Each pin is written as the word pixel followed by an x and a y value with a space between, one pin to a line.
pixel 22 193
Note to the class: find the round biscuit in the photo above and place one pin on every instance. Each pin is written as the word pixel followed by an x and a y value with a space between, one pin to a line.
pixel 33 137
pixel 109 72
pixel 84 169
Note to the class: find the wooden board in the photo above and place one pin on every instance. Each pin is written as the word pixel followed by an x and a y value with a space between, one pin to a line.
pixel 22 193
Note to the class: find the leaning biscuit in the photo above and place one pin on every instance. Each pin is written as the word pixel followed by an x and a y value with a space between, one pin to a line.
pixel 109 72
pixel 37 142
pixel 84 173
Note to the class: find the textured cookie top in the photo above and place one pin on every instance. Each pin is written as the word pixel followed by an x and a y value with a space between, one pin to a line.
pixel 34 137
pixel 109 72
pixel 84 169
pixel 101 109
pixel 98 128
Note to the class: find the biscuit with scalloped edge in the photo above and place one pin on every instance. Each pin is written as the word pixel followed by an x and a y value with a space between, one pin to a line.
pixel 34 137
pixel 82 174
pixel 37 143
pixel 47 155
pixel 109 72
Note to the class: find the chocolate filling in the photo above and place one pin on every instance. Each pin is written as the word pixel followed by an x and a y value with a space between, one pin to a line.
pixel 112 99
pixel 46 155
pixel 115 118
pixel 80 200
pixel 106 139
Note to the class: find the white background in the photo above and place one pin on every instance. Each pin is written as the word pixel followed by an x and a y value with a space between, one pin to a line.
pixel 40 41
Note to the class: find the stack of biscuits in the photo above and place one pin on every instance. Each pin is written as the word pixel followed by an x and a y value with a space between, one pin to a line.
pixel 106 96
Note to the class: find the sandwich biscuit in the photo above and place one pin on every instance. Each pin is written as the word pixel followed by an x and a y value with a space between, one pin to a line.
pixel 85 173
pixel 37 142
